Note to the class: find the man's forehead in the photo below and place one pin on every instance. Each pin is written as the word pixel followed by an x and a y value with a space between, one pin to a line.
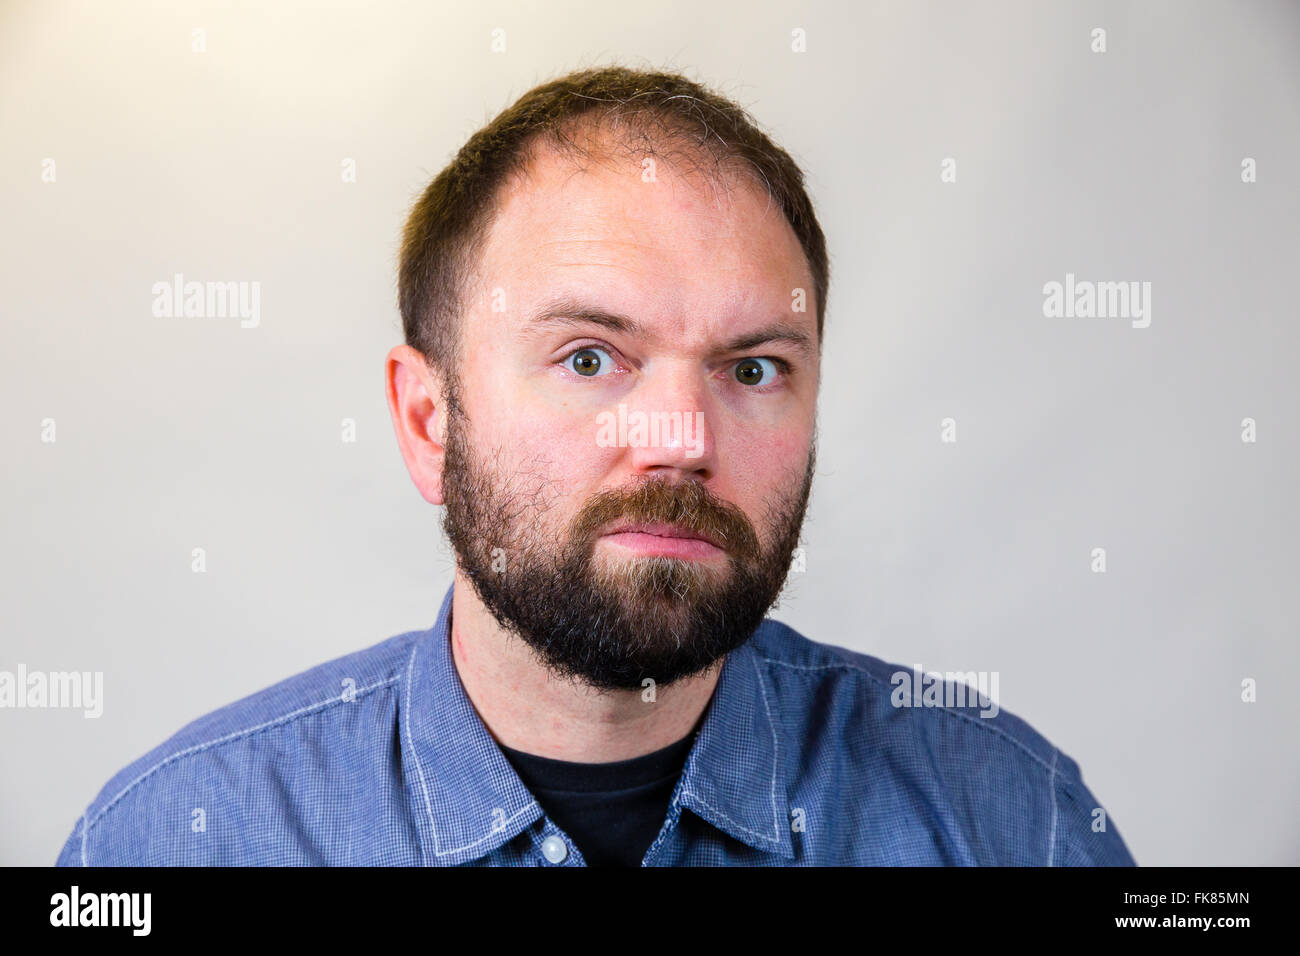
pixel 561 217
pixel 620 199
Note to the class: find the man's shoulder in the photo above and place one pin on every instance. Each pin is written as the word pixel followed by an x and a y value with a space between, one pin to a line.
pixel 295 727
pixel 957 713
pixel 959 778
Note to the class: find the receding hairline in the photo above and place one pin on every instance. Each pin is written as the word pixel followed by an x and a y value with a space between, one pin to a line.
pixel 588 139
pixel 599 139
pixel 610 115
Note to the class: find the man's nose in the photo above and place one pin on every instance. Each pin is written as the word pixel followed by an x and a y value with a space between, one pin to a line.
pixel 671 406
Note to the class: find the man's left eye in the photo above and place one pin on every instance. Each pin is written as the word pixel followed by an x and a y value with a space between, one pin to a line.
pixel 590 362
pixel 755 371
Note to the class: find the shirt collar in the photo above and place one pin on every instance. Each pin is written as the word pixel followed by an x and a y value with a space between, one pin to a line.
pixel 468 800
pixel 735 776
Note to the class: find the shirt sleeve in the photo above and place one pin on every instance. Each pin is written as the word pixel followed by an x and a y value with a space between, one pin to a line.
pixel 1084 833
pixel 71 853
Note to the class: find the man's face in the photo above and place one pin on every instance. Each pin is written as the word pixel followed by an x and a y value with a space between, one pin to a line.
pixel 626 493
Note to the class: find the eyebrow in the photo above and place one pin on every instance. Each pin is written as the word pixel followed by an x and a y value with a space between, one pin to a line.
pixel 773 332
pixel 568 311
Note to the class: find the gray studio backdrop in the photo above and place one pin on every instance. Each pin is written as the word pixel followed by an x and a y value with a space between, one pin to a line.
pixel 963 156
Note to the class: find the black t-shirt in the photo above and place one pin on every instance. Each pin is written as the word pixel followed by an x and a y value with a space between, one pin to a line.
pixel 613 811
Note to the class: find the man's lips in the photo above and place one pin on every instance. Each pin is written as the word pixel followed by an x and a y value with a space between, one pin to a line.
pixel 664 539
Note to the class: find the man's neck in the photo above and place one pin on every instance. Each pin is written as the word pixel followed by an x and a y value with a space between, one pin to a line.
pixel 527 708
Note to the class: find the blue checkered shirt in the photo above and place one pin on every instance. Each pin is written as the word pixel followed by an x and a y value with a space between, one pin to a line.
pixel 804 757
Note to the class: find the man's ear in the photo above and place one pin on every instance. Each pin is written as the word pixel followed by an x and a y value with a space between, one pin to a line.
pixel 417 403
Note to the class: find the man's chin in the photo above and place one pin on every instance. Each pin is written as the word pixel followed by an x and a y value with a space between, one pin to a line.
pixel 650 578
pixel 612 628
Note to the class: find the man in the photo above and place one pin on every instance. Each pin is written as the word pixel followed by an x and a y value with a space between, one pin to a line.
pixel 613 301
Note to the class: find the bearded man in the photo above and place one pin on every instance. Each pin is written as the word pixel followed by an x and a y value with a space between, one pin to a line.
pixel 602 685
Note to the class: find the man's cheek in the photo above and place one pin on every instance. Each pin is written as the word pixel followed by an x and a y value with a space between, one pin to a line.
pixel 557 469
pixel 569 437
pixel 762 464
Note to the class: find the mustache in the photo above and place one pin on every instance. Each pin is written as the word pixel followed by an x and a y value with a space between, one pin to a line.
pixel 687 504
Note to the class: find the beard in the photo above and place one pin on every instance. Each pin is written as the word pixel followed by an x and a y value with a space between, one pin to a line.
pixel 610 623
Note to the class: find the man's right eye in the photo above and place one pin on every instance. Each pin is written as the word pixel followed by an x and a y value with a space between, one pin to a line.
pixel 590 362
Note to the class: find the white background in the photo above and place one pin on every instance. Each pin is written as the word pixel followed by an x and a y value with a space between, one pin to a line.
pixel 1072 433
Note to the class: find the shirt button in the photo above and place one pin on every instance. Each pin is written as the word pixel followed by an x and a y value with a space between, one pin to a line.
pixel 554 849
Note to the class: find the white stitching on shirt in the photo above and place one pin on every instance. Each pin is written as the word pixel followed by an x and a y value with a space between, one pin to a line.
pixel 406 719
pixel 246 732
pixel 776 760
pixel 483 839
pixel 762 837
pixel 776 751
pixel 84 829
pixel 1051 785
pixel 419 768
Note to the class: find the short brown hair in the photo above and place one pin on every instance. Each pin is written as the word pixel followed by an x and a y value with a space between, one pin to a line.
pixel 657 111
